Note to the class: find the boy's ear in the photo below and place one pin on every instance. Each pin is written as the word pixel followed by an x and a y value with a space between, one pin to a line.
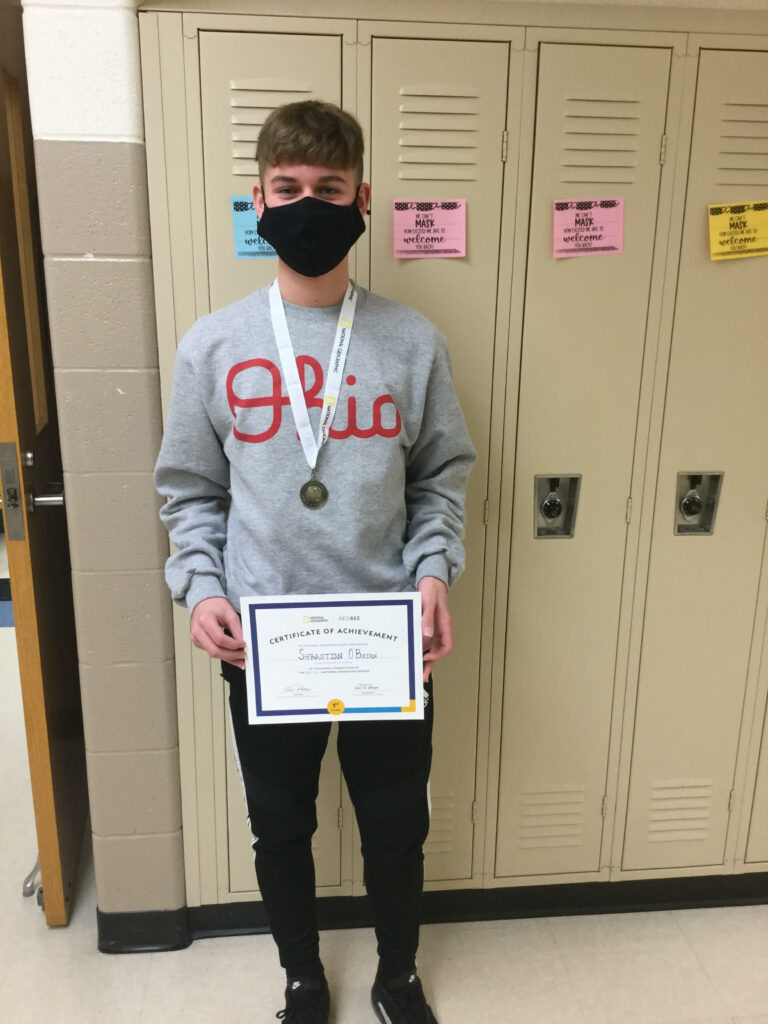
pixel 364 198
pixel 258 200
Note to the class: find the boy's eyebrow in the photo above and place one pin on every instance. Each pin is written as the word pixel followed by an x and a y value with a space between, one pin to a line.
pixel 324 178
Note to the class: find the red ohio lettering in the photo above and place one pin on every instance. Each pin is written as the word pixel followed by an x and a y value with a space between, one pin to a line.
pixel 274 400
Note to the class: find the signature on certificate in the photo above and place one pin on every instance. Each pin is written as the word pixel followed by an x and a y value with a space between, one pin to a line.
pixel 367 687
pixel 297 689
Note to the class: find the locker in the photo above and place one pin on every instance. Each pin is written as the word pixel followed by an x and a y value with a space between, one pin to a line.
pixel 243 75
pixel 438 119
pixel 600 120
pixel 325 842
pixel 441 104
pixel 757 843
pixel 702 589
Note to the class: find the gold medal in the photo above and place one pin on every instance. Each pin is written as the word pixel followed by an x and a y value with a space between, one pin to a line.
pixel 314 494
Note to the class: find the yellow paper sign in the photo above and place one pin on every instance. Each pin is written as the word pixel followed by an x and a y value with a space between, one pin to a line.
pixel 738 230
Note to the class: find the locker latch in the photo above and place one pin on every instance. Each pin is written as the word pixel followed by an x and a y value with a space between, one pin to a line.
pixel 696 499
pixel 555 502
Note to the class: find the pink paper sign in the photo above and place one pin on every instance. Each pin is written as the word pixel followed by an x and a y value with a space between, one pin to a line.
pixel 588 227
pixel 430 228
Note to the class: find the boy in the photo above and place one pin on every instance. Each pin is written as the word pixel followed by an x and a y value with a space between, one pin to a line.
pixel 376 503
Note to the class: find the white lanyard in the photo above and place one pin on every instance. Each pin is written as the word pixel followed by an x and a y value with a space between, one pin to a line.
pixel 291 372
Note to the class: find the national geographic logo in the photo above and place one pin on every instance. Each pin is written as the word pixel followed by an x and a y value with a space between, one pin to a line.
pixel 313 618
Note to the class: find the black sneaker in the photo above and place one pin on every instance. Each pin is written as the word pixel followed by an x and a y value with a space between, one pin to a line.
pixel 402 1001
pixel 306 1002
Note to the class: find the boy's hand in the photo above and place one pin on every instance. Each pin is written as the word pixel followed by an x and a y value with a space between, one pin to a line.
pixel 209 620
pixel 436 633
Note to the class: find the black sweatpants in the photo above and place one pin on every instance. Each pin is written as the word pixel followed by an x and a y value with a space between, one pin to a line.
pixel 386 767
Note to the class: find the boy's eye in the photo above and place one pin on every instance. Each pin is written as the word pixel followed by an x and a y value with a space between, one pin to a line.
pixel 290 191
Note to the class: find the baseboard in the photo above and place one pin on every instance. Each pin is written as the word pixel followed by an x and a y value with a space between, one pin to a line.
pixel 143 931
pixel 154 931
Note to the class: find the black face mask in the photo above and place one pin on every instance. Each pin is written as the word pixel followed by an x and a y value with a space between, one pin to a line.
pixel 312 235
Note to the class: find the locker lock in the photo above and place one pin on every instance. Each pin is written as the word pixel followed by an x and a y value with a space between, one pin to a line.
pixel 556 499
pixel 691 505
pixel 696 500
pixel 552 507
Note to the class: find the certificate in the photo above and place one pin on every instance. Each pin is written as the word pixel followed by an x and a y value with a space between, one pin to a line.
pixel 320 657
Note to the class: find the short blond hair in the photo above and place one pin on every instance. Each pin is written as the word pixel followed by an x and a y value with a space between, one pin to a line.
pixel 311 132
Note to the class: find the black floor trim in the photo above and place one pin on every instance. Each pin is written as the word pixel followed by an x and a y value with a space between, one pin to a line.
pixel 154 931
pixel 149 931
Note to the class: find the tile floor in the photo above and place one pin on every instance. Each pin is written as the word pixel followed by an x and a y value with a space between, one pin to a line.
pixel 703 966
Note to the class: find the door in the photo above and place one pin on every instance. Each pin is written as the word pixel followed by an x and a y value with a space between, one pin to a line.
pixel 38 553
pixel 243 76
pixel 438 130
pixel 600 119
pixel 757 842
pixel 703 583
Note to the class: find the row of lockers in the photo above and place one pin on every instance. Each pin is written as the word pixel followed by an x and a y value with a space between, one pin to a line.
pixel 602 714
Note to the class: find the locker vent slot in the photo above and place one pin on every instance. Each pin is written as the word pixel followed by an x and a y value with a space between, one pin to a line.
pixel 251 100
pixel 551 817
pixel 680 811
pixel 439 125
pixel 440 838
pixel 600 141
pixel 742 157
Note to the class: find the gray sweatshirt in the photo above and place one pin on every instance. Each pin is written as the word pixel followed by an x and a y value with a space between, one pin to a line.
pixel 231 464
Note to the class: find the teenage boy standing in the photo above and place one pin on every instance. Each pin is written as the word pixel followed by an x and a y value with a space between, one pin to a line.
pixel 380 507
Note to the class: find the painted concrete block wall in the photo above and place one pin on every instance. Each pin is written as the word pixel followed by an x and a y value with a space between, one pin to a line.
pixel 85 95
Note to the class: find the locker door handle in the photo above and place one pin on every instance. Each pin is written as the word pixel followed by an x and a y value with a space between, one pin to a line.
pixel 555 500
pixel 551 507
pixel 696 500
pixel 691 505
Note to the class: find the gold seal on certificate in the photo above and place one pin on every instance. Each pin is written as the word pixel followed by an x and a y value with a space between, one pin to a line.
pixel 320 657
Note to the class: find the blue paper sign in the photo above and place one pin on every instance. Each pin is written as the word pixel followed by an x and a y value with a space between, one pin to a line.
pixel 248 243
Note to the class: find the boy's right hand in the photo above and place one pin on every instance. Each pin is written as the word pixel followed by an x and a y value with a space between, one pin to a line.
pixel 209 620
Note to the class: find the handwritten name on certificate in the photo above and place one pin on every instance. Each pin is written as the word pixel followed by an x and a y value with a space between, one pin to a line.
pixel 313 658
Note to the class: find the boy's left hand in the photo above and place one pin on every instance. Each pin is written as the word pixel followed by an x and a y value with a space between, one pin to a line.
pixel 436 633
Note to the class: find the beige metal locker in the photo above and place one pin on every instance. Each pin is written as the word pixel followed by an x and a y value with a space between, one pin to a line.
pixel 600 125
pixel 325 842
pixel 757 843
pixel 702 589
pixel 438 123
pixel 244 75
pixel 441 105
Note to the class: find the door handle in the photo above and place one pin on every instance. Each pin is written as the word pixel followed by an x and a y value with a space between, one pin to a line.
pixel 36 501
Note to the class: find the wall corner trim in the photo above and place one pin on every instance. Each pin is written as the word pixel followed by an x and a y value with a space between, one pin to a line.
pixel 154 931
